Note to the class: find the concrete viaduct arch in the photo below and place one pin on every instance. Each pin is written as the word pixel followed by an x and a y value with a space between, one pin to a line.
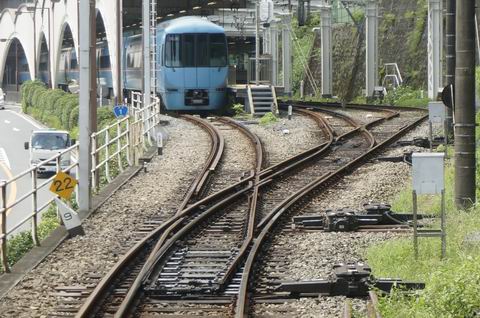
pixel 46 18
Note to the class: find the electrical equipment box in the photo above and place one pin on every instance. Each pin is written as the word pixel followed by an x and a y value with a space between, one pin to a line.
pixel 436 112
pixel 428 173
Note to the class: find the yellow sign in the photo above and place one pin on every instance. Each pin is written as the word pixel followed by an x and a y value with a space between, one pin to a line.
pixel 63 185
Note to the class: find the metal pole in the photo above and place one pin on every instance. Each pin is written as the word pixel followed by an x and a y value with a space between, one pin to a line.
pixel 146 53
pixel 371 12
pixel 434 48
pixel 415 237
pixel 16 62
pixel 287 55
pixel 94 65
pixel 84 121
pixel 257 43
pixel 465 104
pixel 49 50
pixel 274 46
pixel 3 227
pixel 119 51
pixel 326 36
pixel 450 56
pixel 34 45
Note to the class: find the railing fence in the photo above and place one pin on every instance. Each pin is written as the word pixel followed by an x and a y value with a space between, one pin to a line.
pixel 114 148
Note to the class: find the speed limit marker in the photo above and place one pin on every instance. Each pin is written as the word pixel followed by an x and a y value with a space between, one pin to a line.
pixel 63 185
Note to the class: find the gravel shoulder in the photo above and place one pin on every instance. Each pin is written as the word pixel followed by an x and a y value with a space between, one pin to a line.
pixel 286 138
pixel 111 229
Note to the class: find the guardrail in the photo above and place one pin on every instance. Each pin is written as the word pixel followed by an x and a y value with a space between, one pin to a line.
pixel 117 146
pixel 36 207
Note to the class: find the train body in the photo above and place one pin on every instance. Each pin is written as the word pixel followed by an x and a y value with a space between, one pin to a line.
pixel 192 67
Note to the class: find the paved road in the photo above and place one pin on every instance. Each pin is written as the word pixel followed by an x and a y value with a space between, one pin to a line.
pixel 15 129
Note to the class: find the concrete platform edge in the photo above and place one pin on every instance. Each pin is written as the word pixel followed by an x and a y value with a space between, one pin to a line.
pixel 36 255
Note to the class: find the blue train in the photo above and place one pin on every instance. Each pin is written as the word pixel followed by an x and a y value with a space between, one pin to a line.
pixel 192 67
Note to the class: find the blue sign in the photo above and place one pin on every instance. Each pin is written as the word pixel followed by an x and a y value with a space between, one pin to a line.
pixel 120 110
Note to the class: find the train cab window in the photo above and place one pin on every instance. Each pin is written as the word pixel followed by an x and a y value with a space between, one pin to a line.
pixel 172 51
pixel 104 61
pixel 218 50
pixel 134 59
pixel 188 50
pixel 202 50
pixel 73 60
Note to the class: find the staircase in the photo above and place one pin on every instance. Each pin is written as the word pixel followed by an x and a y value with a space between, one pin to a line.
pixel 262 99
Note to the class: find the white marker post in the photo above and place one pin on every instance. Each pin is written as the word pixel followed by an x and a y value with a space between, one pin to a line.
pixel 70 219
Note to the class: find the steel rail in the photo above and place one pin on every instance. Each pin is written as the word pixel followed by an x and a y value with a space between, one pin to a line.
pixel 163 245
pixel 89 306
pixel 242 300
pixel 351 105
pixel 231 270
pixel 216 153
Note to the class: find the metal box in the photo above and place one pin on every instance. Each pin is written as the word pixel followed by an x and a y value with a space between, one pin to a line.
pixel 428 172
pixel 436 112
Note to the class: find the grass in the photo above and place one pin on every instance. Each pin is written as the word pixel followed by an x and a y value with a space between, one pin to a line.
pixel 21 243
pixel 452 284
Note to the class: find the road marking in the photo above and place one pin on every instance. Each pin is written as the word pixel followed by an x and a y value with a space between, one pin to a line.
pixel 16 129
pixel 7 121
pixel 13 187
pixel 4 158
pixel 27 119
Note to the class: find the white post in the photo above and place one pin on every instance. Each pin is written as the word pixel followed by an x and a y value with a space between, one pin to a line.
pixel 146 53
pixel 434 47
pixel 287 55
pixel 257 43
pixel 371 12
pixel 84 123
pixel 326 39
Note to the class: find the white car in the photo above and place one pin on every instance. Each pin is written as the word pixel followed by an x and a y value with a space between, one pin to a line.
pixel 2 99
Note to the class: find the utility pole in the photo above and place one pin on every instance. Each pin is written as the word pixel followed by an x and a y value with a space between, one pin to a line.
pixel 86 101
pixel 450 55
pixel 465 104
pixel 434 47
pixel 326 39
pixel 371 74
pixel 147 82
pixel 257 43
pixel 119 51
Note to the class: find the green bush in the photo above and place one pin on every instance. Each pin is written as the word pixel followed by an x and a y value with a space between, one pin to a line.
pixel 268 118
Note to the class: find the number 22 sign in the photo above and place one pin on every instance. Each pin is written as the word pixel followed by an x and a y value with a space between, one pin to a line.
pixel 63 185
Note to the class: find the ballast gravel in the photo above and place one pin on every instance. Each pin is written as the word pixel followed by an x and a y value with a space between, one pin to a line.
pixel 109 231
pixel 286 138
pixel 311 255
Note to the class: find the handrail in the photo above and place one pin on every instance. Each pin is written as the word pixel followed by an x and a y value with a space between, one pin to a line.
pixel 123 141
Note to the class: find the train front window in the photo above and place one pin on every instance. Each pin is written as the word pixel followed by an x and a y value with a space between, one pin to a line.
pixel 202 50
pixel 195 50
pixel 188 50
pixel 218 50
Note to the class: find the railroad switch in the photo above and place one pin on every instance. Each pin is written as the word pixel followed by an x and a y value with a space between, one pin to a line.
pixel 352 279
pixel 374 216
pixel 405 157
pixel 422 142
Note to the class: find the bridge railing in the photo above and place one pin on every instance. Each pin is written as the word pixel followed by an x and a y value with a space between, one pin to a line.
pixel 114 148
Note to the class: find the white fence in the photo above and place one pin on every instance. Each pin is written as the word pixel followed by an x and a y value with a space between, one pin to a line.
pixel 113 148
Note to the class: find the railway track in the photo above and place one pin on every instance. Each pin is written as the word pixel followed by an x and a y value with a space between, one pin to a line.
pixel 203 261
